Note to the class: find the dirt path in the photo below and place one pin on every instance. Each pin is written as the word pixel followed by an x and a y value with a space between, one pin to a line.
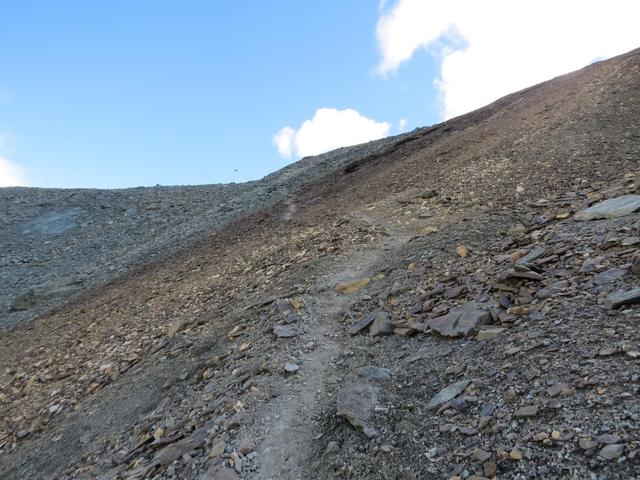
pixel 287 422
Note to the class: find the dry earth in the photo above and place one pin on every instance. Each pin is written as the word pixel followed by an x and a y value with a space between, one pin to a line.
pixel 447 304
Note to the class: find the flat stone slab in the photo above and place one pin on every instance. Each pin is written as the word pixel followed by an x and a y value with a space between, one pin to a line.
pixel 618 299
pixel 357 397
pixel 285 331
pixel 448 393
pixel 611 208
pixel 356 402
pixel 461 321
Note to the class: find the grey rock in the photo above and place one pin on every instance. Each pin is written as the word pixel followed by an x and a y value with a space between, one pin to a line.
pixel 291 367
pixel 520 274
pixel 173 452
pixel 284 306
pixel 285 331
pixel 461 321
pixel 332 447
pixel 291 318
pixel 609 276
pixel 611 208
pixel 618 299
pixel 608 438
pixel 635 265
pixel 533 255
pixel 356 401
pixel 589 265
pixel 612 452
pixel 587 443
pixel 362 324
pixel 448 393
pixel 630 241
pixel 381 325
pixel 527 411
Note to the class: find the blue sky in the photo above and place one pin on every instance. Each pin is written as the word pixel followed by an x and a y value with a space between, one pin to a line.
pixel 129 93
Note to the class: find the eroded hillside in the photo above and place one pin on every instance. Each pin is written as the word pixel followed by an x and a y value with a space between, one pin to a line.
pixel 445 305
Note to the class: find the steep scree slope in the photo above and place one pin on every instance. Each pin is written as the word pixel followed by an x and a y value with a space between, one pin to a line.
pixel 433 310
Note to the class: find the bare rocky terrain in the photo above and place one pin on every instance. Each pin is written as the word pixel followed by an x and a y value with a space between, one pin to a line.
pixel 458 302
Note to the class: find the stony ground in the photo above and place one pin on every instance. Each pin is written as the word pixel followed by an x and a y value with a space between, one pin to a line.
pixel 458 303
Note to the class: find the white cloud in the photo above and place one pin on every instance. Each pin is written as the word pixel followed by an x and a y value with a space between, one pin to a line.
pixel 11 174
pixel 329 128
pixel 491 48
pixel 402 124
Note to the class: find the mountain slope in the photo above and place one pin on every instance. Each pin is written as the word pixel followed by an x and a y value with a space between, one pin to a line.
pixel 177 369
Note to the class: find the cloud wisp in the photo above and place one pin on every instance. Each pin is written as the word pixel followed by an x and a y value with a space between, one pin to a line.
pixel 491 48
pixel 11 174
pixel 328 129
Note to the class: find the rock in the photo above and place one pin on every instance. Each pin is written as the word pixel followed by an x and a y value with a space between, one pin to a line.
pixel 481 455
pixel 428 230
pixel 587 443
pixel 381 325
pixel 291 367
pixel 489 469
pixel 356 401
pixel 291 318
pixel 612 452
pixel 351 287
pixel 371 372
pixel 332 447
pixel 609 276
pixel 608 438
pixel 630 241
pixel 428 194
pixel 527 411
pixel 173 452
pixel 284 306
pixel 217 450
pixel 635 265
pixel 245 447
pixel 618 299
pixel 453 292
pixel 522 274
pixel 362 324
pixel 461 321
pixel 559 388
pixel 178 325
pixel 448 393
pixel 515 455
pixel 462 251
pixel 487 333
pixel 285 331
pixel 611 208
pixel 533 255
